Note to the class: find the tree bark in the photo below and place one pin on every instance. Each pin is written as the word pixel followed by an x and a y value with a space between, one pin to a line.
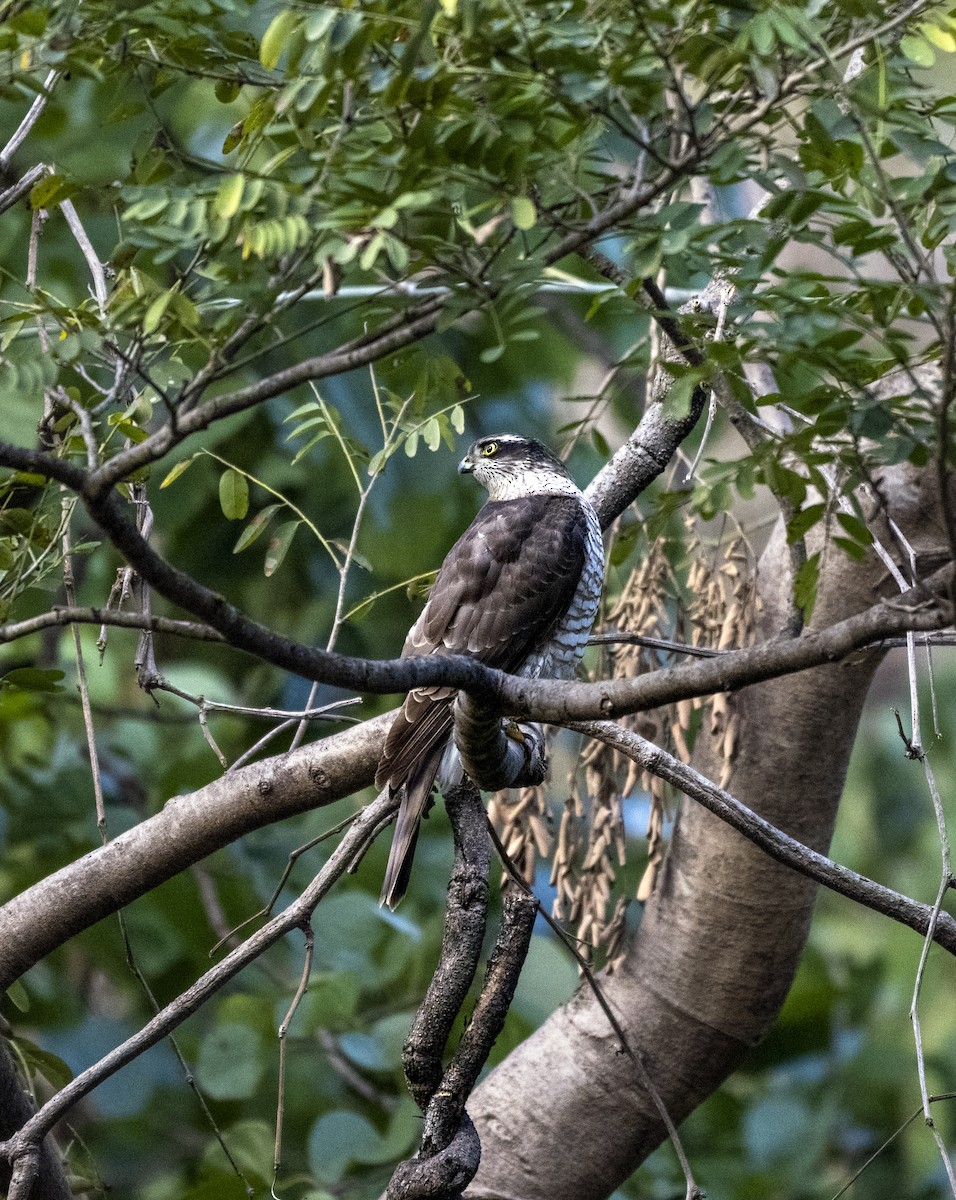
pixel 718 946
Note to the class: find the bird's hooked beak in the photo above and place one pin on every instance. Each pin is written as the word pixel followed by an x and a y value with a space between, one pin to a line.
pixel 466 466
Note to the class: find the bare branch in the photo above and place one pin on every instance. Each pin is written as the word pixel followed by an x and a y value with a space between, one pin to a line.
pixel 22 131
pixel 924 918
pixel 97 273
pixel 923 609
pixel 191 827
pixel 16 191
pixel 65 615
pixel 186 830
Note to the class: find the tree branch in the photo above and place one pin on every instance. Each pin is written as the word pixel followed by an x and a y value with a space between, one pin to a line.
pixel 465 919
pixel 922 609
pixel 776 843
pixel 190 827
pixel 187 829
pixel 65 615
pixel 27 1139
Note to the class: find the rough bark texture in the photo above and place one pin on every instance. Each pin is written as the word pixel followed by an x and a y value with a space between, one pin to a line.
pixel 720 940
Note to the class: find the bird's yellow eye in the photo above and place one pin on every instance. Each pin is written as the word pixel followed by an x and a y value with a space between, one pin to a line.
pixel 489 448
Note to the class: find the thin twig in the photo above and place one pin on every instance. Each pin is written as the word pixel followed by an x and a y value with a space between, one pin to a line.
pixel 68 615
pixel 345 567
pixel 283 1049
pixel 100 289
pixel 69 589
pixel 290 863
pixel 893 1136
pixel 769 838
pixel 20 134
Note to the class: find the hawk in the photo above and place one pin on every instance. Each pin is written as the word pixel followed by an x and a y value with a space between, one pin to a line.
pixel 519 591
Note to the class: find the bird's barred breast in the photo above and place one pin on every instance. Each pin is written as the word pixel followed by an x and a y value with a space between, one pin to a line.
pixel 560 655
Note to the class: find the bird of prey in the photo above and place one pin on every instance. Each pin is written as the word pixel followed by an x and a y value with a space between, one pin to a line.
pixel 519 591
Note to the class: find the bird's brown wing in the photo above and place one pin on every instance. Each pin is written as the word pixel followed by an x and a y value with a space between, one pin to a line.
pixel 502 589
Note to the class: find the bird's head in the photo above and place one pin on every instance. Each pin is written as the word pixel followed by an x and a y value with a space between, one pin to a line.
pixel 509 466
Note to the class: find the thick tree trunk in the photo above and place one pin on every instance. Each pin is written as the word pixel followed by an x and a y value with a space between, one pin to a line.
pixel 720 940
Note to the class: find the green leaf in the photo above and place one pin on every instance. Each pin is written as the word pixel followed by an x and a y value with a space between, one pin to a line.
pixel 918 50
pixel 855 528
pixel 229 196
pixel 252 1145
pixel 233 495
pixel 804 520
pixel 279 545
pixel 523 212
pixel 154 314
pixel 128 428
pixel 942 38
pixel 431 434
pixel 624 543
pixel 331 1002
pixel 33 679
pixel 381 1049
pixel 679 395
pixel 805 585
pixel 275 38
pixel 230 1062
pixel 227 91
pixel 371 252
pixel 762 34
pixel 179 469
pixel 257 525
pixel 386 219
pixel 48 191
pixel 363 1050
pixel 18 996
pixel 53 1069
pixel 852 548
pixel 233 138
pixel 338 1139
pixel 29 20
pixel 458 419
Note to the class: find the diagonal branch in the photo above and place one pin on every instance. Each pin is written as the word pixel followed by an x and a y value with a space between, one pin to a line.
pixel 23 1144
pixel 466 916
pixel 186 830
pixel 923 918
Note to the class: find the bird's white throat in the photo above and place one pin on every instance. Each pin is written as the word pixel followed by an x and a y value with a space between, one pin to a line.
pixel 512 485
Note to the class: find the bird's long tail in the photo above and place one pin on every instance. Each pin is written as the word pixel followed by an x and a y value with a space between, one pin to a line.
pixel 416 792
